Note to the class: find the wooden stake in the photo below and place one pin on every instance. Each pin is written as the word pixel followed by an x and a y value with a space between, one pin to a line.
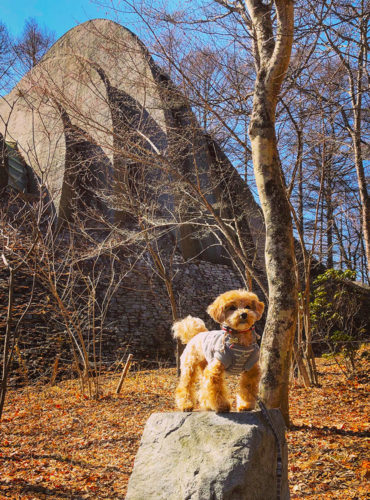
pixel 55 370
pixel 124 373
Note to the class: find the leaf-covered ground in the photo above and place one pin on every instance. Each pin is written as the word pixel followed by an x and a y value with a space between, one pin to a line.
pixel 57 444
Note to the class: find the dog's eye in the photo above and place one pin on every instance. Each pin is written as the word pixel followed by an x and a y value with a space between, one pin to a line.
pixel 232 308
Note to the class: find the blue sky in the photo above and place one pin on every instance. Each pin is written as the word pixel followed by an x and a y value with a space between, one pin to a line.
pixel 56 16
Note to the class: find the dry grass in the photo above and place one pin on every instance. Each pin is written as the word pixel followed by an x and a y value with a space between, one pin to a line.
pixel 57 444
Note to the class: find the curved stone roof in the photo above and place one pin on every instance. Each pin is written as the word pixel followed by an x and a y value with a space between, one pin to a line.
pixel 81 73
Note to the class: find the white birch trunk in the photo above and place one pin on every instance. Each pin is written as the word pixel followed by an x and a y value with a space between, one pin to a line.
pixel 272 54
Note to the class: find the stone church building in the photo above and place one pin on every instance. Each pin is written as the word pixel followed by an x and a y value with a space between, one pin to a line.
pixel 105 135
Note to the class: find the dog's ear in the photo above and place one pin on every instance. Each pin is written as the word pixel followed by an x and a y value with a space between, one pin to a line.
pixel 216 310
pixel 259 308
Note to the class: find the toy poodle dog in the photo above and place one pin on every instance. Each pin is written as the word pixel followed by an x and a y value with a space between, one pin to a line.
pixel 209 354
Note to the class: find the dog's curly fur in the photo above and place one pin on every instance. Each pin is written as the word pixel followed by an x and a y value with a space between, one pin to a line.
pixel 239 310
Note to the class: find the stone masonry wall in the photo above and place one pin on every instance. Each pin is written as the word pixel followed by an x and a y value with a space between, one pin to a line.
pixel 141 311
pixel 138 318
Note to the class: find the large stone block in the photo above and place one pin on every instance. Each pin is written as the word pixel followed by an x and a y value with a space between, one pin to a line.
pixel 209 456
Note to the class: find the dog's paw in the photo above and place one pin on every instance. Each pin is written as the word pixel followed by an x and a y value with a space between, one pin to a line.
pixel 186 408
pixel 246 407
pixel 185 405
pixel 223 408
pixel 184 400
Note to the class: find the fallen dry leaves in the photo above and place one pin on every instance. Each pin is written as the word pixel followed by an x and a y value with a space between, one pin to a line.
pixel 57 444
pixel 329 439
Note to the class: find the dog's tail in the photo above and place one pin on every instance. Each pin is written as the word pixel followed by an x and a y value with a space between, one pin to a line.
pixel 187 328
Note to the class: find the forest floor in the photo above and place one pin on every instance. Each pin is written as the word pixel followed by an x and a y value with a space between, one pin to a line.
pixel 57 444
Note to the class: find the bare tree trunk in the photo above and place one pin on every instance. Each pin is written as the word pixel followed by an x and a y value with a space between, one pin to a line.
pixel 365 199
pixel 301 366
pixel 7 354
pixel 272 59
pixel 300 197
pixel 279 253
pixel 329 212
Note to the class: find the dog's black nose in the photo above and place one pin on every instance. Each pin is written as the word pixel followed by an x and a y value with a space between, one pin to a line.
pixel 244 315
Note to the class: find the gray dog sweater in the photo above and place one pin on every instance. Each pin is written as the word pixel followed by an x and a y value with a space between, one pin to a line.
pixel 235 357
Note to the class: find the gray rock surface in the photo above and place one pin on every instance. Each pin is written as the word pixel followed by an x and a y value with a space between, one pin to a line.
pixel 209 456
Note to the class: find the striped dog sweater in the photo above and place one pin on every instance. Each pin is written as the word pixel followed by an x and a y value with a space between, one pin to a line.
pixel 235 357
